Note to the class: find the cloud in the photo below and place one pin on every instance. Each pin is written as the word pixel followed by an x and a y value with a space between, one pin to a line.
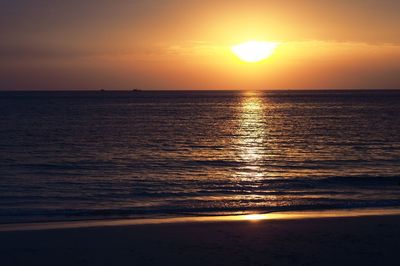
pixel 40 53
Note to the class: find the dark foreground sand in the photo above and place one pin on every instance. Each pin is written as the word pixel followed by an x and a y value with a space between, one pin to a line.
pixel 373 240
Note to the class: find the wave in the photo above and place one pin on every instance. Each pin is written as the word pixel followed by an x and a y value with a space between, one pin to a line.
pixel 33 215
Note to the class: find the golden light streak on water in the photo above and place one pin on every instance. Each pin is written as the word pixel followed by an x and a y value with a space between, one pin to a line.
pixel 252 132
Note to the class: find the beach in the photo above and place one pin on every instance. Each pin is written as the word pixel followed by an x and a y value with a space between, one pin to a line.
pixel 200 178
pixel 199 133
pixel 363 240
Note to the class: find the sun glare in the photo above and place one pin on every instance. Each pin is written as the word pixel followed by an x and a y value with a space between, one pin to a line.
pixel 254 51
pixel 255 217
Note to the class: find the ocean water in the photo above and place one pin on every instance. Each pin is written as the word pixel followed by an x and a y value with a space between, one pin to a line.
pixel 94 155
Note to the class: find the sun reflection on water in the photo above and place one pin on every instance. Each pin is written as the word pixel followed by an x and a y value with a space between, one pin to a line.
pixel 254 217
pixel 253 152
pixel 251 134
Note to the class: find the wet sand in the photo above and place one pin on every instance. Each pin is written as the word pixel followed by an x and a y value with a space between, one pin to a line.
pixel 368 240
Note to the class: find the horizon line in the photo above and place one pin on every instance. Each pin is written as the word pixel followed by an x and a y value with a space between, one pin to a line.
pixel 194 90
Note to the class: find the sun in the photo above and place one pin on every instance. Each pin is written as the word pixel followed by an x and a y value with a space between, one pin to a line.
pixel 254 51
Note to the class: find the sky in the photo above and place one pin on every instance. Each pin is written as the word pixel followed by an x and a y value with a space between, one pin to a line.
pixel 175 44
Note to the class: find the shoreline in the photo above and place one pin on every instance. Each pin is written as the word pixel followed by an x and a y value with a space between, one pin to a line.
pixel 287 215
pixel 369 238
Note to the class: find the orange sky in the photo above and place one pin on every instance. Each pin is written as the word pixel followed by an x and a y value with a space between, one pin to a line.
pixel 186 44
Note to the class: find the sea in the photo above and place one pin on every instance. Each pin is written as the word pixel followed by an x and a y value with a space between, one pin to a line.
pixel 138 154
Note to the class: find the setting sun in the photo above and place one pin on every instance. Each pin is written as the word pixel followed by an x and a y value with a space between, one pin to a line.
pixel 254 51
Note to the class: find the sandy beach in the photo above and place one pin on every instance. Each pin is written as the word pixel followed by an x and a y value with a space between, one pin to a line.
pixel 205 133
pixel 366 240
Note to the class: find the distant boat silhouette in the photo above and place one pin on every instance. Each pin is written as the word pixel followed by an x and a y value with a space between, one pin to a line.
pixel 136 90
